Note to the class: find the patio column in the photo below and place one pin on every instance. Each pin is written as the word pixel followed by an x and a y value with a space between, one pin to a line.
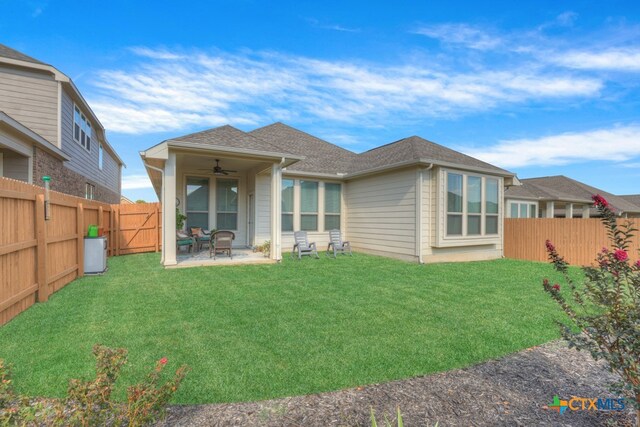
pixel 568 210
pixel 549 209
pixel 169 211
pixel 276 211
pixel 585 211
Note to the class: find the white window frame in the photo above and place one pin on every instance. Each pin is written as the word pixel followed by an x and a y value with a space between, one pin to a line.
pixel 519 203
pixel 464 239
pixel 83 126
pixel 217 209
pixel 100 156
pixel 89 191
pixel 317 213
pixel 293 207
pixel 325 214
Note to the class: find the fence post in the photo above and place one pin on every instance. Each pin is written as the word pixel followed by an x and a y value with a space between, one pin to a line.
pixel 111 215
pixel 117 239
pixel 41 237
pixel 80 245
pixel 157 233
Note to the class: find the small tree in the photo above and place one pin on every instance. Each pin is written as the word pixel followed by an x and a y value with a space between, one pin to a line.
pixel 606 310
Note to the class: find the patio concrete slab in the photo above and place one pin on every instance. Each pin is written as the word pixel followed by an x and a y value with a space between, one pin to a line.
pixel 202 259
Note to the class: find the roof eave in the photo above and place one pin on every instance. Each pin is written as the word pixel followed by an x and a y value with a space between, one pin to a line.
pixel 185 145
pixel 427 162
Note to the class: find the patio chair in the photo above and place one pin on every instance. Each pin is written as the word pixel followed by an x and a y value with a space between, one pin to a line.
pixel 202 236
pixel 183 239
pixel 336 243
pixel 302 246
pixel 221 242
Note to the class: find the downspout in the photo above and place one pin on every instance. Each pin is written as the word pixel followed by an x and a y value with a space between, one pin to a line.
pixel 279 217
pixel 419 212
pixel 161 204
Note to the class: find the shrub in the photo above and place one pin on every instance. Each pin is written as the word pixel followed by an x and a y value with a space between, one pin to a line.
pixel 90 402
pixel 606 310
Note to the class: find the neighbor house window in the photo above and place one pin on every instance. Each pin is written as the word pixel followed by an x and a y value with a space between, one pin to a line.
pixel 523 210
pixel 309 205
pixel 472 205
pixel 287 205
pixel 81 129
pixel 227 204
pixel 89 191
pixel 100 157
pixel 197 209
pixel 332 198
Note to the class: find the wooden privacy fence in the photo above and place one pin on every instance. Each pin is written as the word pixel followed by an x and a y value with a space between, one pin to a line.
pixel 39 257
pixel 577 240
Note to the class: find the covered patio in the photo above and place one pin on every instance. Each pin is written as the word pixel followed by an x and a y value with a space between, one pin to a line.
pixel 221 179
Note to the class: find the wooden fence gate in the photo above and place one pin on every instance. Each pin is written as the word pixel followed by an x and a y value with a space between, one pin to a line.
pixel 39 257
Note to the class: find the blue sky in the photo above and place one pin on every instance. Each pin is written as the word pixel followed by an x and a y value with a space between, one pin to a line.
pixel 537 87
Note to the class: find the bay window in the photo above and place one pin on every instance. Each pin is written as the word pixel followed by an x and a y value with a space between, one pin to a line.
pixel 472 207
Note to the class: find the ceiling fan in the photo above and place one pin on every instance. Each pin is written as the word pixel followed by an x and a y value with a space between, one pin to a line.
pixel 217 169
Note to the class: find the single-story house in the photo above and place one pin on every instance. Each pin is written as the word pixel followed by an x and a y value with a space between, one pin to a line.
pixel 411 199
pixel 561 197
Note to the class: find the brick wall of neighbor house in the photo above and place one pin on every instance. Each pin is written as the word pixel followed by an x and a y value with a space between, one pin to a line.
pixel 65 180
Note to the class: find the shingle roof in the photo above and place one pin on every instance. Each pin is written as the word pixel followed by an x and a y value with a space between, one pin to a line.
pixel 321 156
pixel 326 158
pixel 228 136
pixel 561 187
pixel 633 198
pixel 7 52
pixel 415 148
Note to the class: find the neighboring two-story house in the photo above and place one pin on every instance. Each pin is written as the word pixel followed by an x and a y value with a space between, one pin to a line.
pixel 48 129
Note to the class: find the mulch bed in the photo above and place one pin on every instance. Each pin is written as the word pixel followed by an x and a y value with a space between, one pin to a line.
pixel 510 391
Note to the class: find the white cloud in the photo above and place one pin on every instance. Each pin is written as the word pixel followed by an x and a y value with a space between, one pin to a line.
pixel 461 34
pixel 334 27
pixel 133 182
pixel 619 144
pixel 167 91
pixel 622 59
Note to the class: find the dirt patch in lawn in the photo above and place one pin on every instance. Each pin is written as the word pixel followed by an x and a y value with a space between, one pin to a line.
pixel 510 391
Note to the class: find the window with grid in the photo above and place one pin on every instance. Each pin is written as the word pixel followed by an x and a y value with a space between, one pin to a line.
pixel 81 129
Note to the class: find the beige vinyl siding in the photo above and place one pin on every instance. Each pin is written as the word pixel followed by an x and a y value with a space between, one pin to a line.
pixel 263 208
pixel 14 165
pixel 32 99
pixel 86 162
pixel 382 214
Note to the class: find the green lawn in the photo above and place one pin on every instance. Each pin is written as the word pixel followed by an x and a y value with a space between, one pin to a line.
pixel 264 331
